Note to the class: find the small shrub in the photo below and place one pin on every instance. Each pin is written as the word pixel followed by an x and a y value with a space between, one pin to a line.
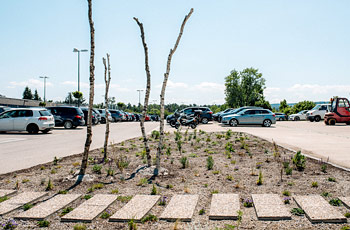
pixel 143 182
pixel 154 190
pixel 132 225
pixel 2 199
pixel 49 186
pixel 106 214
pixel 286 193
pixel 162 201
pixel 248 203
pixel 299 161
pixel 62 192
pixel 347 214
pixel 87 196
pixel 122 162
pixel 10 224
pixel 79 227
pixel 155 134
pixel 43 224
pixel 297 211
pixel 332 179
pixel 55 161
pixel 97 186
pixel 285 164
pixel 229 177
pixel 260 179
pixel 184 162
pixel 325 194
pixel 216 172
pixel 27 206
pixel 168 151
pixel 66 211
pixel 335 202
pixel 110 172
pixel 124 199
pixel 201 212
pixel 324 168
pixel 314 184
pixel 148 218
pixel 210 163
pixel 286 200
pixel 53 171
pixel 289 171
pixel 97 169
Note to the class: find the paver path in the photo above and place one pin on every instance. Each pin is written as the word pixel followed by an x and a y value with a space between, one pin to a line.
pixel 19 200
pixel 4 192
pixel 180 207
pixel 135 209
pixel 270 207
pixel 346 201
pixel 49 207
pixel 318 210
pixel 224 207
pixel 90 209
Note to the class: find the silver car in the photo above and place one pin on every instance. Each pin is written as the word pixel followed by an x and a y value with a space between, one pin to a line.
pixel 262 117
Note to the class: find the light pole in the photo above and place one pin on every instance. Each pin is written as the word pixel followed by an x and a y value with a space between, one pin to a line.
pixel 44 77
pixel 139 90
pixel 75 50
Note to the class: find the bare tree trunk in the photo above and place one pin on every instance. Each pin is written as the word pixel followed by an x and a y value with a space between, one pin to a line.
pixel 91 95
pixel 148 89
pixel 166 76
pixel 107 81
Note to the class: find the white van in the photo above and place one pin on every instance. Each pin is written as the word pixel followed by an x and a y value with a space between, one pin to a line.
pixel 318 112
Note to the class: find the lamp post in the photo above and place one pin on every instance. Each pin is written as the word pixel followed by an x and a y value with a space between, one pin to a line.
pixel 44 77
pixel 75 50
pixel 139 90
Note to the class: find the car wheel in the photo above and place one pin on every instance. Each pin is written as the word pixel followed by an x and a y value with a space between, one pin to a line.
pixel 46 131
pixel 233 122
pixel 297 118
pixel 68 125
pixel 280 119
pixel 317 118
pixel 267 123
pixel 193 126
pixel 32 129
pixel 172 123
pixel 332 122
pixel 205 120
pixel 177 126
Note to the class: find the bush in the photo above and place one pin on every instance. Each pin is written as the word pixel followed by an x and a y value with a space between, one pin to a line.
pixel 66 211
pixel 149 217
pixel 299 161
pixel 106 214
pixel 79 227
pixel 335 202
pixel 260 179
pixel 43 224
pixel 184 162
pixel 154 190
pixel 155 134
pixel 97 169
pixel 297 211
pixel 210 163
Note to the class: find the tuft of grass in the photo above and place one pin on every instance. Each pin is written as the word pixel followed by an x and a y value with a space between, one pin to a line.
pixel 66 211
pixel 326 194
pixel 184 162
pixel 260 179
pixel 335 202
pixel 79 227
pixel 27 206
pixel 43 224
pixel 62 192
pixel 314 184
pixel 297 211
pixel 105 215
pixel 210 163
pixel 286 193
pixel 215 192
pixel 148 218
pixel 143 182
pixel 87 196
pixel 154 190
pixel 201 212
pixel 169 186
pixel 124 199
pixel 332 179
pixel 97 169
pixel 229 177
pixel 347 214
pixel 2 199
pixel 216 172
pixel 49 186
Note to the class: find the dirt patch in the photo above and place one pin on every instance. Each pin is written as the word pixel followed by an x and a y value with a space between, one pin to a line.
pixel 238 159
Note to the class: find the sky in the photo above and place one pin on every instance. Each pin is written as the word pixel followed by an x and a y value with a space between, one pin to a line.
pixel 302 48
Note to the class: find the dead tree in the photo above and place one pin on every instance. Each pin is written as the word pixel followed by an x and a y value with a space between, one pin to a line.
pixel 148 89
pixel 166 76
pixel 91 94
pixel 107 81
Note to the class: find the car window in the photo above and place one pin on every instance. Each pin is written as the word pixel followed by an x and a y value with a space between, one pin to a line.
pixel 8 114
pixel 265 112
pixel 323 107
pixel 249 112
pixel 343 103
pixel 44 113
pixel 187 111
pixel 25 113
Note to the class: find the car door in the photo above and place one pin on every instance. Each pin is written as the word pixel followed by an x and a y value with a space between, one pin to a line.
pixel 257 117
pixel 343 108
pixel 22 119
pixel 245 117
pixel 6 120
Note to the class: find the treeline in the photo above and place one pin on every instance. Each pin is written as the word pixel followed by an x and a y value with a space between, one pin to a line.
pixel 302 105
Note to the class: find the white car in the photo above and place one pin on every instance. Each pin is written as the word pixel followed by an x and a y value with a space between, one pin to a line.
pixel 318 112
pixel 31 120
pixel 298 116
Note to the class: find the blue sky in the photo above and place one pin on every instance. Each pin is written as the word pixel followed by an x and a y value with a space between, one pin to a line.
pixel 301 47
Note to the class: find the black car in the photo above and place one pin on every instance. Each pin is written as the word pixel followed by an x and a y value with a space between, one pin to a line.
pixel 94 116
pixel 205 116
pixel 67 116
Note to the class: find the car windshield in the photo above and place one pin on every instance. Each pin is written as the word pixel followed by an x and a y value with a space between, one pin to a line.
pixel 316 107
pixel 44 113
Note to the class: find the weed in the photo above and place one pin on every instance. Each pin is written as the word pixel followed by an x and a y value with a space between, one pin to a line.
pixel 43 223
pixel 27 206
pixel 155 134
pixel 53 171
pixel 299 161
pixel 55 161
pixel 184 162
pixel 289 171
pixel 233 162
pixel 132 225
pixel 347 214
pixel 297 211
pixel 143 182
pixel 106 214
pixel 168 151
pixel 229 177
pixel 154 190
pixel 248 203
pixel 169 186
pixel 97 169
pixel 124 199
pixel 332 179
pixel 206 185
pixel 162 201
pixel 286 193
pixel 258 165
pixel 42 168
pixel 110 172
pixel 62 192
pixel 149 217
pixel 324 168
pixel 215 192
pixel 286 200
pixel 326 194
pixel 122 162
pixel 66 211
pixel 335 202
pixel 210 163
pixel 260 179
pixel 193 155
pixel 10 224
pixel 49 186
pixel 2 199
pixel 201 212
pixel 87 196
pixel 79 227
pixel 314 184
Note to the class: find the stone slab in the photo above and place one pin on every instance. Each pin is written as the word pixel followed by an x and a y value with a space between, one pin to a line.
pixel 270 207
pixel 19 200
pixel 49 207
pixel 346 201
pixel 224 207
pixel 180 207
pixel 135 209
pixel 4 192
pixel 318 210
pixel 90 209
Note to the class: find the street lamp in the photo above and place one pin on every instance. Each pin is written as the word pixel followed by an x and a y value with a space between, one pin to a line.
pixel 75 50
pixel 44 77
pixel 139 90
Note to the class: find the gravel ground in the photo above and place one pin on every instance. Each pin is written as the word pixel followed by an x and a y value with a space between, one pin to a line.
pixel 233 172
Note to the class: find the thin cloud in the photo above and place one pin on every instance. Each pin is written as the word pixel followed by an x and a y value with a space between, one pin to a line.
pixel 31 83
pixel 209 87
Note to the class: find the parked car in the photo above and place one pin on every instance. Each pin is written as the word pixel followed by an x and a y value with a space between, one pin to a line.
pixel 298 116
pixel 235 111
pixel 262 117
pixel 281 117
pixel 318 112
pixel 98 115
pixel 94 116
pixel 4 108
pixel 117 115
pixel 67 116
pixel 154 117
pixel 31 120
pixel 217 115
pixel 205 116
pixel 103 116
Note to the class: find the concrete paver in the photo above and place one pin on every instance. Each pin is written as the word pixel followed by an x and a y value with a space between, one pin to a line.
pixel 224 207
pixel 180 207
pixel 270 207
pixel 4 192
pixel 346 201
pixel 49 207
pixel 318 210
pixel 19 200
pixel 90 209
pixel 136 208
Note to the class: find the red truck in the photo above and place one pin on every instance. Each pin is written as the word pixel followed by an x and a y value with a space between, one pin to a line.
pixel 339 113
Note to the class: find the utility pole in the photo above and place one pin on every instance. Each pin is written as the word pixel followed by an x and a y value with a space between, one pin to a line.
pixel 75 50
pixel 140 90
pixel 44 77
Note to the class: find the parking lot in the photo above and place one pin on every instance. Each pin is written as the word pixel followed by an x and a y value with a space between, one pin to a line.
pixel 312 138
pixel 22 150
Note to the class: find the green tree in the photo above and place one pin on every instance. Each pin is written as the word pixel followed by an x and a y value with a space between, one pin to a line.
pixel 121 105
pixel 303 105
pixel 27 93
pixel 36 96
pixel 77 94
pixel 245 88
pixel 283 105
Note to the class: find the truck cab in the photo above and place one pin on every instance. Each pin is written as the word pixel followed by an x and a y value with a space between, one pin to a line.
pixel 339 112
